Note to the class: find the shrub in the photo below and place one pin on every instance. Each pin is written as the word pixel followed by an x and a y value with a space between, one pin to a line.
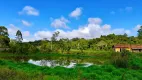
pixel 8 74
pixel 135 62
pixel 120 59
pixel 124 60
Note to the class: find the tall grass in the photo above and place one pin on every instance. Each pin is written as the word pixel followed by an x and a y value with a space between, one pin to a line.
pixel 126 59
pixel 95 72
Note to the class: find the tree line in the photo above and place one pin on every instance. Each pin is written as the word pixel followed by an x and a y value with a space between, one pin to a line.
pixel 65 45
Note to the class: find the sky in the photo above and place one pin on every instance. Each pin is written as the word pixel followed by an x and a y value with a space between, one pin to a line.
pixel 38 19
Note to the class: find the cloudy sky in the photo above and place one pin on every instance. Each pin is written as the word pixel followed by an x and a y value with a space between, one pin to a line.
pixel 38 19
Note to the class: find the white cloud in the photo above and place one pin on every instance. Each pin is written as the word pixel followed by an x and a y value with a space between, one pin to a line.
pixel 28 39
pixel 93 29
pixel 60 23
pixel 94 20
pixel 29 11
pixel 137 27
pixel 76 13
pixel 43 34
pixel 26 33
pixel 12 29
pixel 128 9
pixel 121 31
pixel 26 23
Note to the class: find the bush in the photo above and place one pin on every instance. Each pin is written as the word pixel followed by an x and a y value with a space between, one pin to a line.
pixel 135 62
pixel 22 48
pixel 120 59
pixel 124 60
pixel 7 74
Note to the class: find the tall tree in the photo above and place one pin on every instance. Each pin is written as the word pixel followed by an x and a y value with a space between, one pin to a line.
pixel 54 37
pixel 19 37
pixel 4 39
pixel 3 31
pixel 125 34
pixel 140 33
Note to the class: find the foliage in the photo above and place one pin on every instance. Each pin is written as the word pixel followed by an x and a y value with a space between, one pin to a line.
pixel 65 45
pixel 120 59
pixel 135 62
pixel 4 39
pixel 19 37
pixel 22 48
pixel 45 47
pixel 125 59
pixel 30 72
pixel 3 31
pixel 54 38
pixel 140 33
pixel 82 45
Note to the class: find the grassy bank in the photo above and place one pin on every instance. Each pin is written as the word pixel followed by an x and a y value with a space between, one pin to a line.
pixel 10 70
pixel 18 70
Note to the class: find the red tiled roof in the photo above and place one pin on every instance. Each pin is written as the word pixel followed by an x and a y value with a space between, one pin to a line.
pixel 128 46
pixel 122 46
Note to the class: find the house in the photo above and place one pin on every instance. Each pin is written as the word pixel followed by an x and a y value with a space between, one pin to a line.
pixel 131 48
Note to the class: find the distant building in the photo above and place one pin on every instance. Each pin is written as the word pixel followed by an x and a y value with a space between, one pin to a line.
pixel 131 48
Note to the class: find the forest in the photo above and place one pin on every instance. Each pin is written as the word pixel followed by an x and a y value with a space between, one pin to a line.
pixel 64 45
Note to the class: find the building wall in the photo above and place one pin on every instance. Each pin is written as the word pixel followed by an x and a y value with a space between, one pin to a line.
pixel 129 49
pixel 117 49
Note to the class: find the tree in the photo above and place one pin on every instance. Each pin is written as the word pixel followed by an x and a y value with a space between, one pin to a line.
pixel 125 34
pixel 82 44
pixel 54 37
pixel 3 31
pixel 140 33
pixel 45 47
pixel 65 45
pixel 101 45
pixel 4 39
pixel 19 37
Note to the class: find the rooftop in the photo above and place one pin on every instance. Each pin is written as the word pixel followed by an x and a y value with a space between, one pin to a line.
pixel 138 46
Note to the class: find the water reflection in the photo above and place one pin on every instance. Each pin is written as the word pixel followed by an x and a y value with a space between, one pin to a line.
pixel 54 63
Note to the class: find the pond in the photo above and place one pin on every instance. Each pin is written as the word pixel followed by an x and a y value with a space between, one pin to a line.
pixel 54 61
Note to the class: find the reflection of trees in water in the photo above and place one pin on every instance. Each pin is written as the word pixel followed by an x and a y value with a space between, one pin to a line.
pixel 56 60
pixel 50 63
pixel 17 58
pixel 62 61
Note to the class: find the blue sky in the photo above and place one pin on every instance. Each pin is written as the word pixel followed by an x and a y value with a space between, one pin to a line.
pixel 73 18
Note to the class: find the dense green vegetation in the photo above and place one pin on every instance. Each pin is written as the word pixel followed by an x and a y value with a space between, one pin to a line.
pixel 24 71
pixel 65 45
pixel 112 65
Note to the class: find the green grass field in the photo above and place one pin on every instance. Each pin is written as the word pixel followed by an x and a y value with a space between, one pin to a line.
pixel 16 70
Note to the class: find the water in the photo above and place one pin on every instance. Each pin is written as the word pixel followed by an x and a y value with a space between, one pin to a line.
pixel 55 63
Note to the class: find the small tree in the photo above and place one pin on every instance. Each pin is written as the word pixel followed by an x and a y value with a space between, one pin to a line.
pixel 140 33
pixel 19 37
pixel 54 38
pixel 4 39
pixel 82 44
pixel 65 45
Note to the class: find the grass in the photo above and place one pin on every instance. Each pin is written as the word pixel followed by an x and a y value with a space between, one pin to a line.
pixel 13 70
pixel 95 72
